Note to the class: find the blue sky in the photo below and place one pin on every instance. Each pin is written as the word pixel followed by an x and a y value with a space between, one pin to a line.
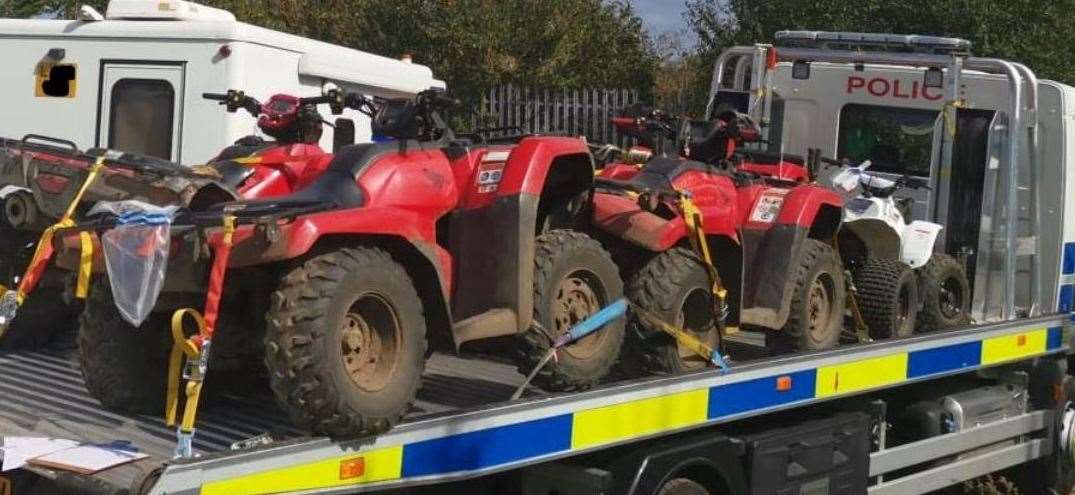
pixel 661 15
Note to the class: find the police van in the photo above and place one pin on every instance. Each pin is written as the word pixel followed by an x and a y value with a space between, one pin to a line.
pixel 994 142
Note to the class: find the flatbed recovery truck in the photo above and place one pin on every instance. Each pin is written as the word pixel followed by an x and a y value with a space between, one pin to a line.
pixel 818 420
pixel 983 405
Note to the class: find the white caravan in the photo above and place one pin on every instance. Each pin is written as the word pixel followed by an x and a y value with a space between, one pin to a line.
pixel 133 79
pixel 987 135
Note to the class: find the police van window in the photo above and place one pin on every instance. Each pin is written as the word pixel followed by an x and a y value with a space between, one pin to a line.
pixel 141 117
pixel 895 140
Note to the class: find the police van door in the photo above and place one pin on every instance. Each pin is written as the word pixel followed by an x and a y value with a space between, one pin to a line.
pixel 142 108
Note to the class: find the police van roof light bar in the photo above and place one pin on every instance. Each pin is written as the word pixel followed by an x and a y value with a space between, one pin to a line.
pixel 873 42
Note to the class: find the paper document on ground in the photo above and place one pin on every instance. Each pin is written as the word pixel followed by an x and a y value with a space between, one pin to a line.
pixel 17 450
pixel 89 459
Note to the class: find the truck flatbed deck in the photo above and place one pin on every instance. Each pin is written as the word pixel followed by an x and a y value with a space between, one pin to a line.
pixel 464 427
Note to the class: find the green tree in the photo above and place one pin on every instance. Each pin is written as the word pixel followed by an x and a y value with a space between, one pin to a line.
pixel 1036 33
pixel 471 44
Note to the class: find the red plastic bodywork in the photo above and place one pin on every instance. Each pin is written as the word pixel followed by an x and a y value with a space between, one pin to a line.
pixel 282 170
pixel 725 208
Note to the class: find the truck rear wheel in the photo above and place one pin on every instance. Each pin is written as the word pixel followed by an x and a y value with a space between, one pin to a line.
pixel 817 303
pixel 888 297
pixel 346 342
pixel 574 278
pixel 675 287
pixel 682 486
pixel 125 367
pixel 945 294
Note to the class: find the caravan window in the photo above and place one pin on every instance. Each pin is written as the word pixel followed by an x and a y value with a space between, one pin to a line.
pixel 895 140
pixel 142 116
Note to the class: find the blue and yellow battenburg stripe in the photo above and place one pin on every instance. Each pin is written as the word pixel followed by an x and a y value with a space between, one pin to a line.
pixel 594 427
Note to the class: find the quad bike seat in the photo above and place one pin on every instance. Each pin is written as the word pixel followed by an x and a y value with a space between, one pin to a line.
pixel 336 188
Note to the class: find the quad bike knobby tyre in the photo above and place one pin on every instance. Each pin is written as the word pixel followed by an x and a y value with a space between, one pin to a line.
pixel 574 277
pixel 675 287
pixel 888 297
pixel 42 316
pixel 346 342
pixel 945 294
pixel 125 368
pixel 817 302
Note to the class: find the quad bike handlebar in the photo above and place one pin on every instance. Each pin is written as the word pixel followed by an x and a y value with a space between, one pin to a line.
pixel 337 100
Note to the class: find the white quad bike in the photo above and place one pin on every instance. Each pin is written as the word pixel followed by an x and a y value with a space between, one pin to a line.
pixel 902 285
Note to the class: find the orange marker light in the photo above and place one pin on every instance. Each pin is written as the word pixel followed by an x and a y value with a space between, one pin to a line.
pixel 352 468
pixel 783 383
pixel 1020 340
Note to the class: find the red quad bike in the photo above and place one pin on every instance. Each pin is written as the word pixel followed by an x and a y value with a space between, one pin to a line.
pixel 426 242
pixel 771 233
pixel 42 176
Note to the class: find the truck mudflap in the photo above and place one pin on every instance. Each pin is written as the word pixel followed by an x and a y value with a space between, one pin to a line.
pixel 512 435
pixel 769 258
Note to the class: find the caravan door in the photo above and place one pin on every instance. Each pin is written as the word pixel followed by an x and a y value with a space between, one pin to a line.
pixel 142 108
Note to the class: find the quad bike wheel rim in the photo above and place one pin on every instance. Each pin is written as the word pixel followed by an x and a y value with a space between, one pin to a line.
pixel 575 300
pixel 371 342
pixel 696 316
pixel 951 298
pixel 820 306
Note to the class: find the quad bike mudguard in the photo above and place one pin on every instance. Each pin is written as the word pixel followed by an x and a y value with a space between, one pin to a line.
pixel 773 246
pixel 506 194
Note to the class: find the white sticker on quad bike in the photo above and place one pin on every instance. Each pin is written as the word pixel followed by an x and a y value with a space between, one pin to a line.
pixel 768 206
pixel 489 177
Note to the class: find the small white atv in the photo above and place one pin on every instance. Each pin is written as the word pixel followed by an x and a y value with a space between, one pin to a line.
pixel 902 285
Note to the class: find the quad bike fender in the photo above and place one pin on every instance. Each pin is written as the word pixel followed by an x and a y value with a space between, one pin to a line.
pixel 877 236
pixel 8 190
pixel 772 251
pixel 804 204
pixel 530 163
pixel 266 242
pixel 919 239
pixel 270 242
pixel 622 217
pixel 494 234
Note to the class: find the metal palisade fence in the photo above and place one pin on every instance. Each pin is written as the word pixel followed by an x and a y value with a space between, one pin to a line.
pixel 585 112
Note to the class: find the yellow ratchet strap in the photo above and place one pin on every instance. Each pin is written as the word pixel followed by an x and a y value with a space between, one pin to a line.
pixel 247 160
pixel 183 347
pixel 67 221
pixel 684 337
pixel 692 217
pixel 85 266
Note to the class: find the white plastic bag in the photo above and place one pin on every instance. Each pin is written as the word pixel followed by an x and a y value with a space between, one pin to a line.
pixel 136 255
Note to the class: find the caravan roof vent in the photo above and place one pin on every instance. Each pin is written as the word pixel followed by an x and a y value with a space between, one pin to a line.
pixel 165 10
